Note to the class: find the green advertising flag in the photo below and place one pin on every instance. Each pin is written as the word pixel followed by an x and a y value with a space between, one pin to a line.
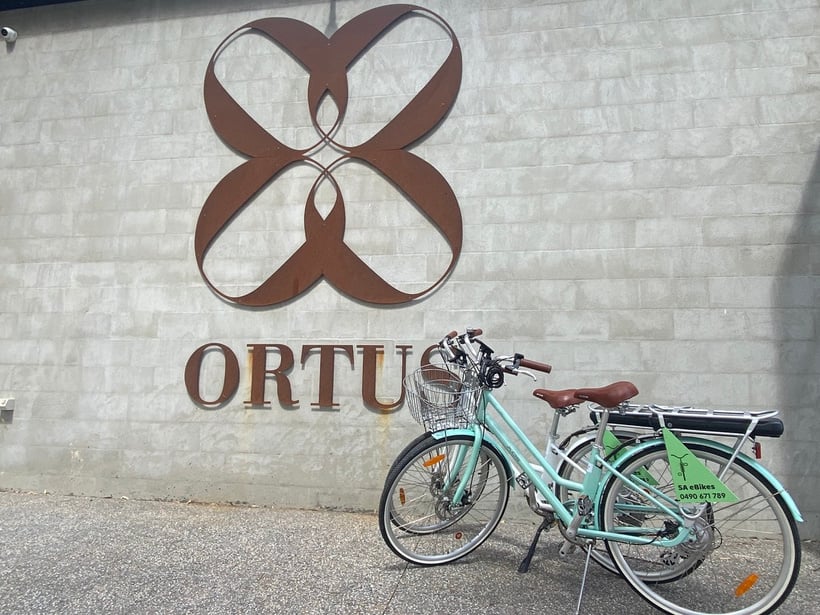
pixel 694 482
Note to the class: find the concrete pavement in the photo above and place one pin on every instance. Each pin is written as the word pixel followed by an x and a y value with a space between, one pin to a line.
pixel 67 555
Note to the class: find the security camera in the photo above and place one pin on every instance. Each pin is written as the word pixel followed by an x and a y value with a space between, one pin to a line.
pixel 9 34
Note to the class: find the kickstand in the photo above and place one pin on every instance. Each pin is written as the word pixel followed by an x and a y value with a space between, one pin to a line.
pixel 545 525
pixel 583 579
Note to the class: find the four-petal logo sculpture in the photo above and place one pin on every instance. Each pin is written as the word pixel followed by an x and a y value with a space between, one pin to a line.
pixel 324 253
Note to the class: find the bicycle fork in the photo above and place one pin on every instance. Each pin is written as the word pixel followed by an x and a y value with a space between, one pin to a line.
pixel 459 472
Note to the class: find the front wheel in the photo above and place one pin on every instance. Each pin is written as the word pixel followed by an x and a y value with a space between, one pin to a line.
pixel 418 518
pixel 740 557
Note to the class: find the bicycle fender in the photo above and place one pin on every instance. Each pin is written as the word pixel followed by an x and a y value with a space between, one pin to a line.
pixel 448 433
pixel 779 488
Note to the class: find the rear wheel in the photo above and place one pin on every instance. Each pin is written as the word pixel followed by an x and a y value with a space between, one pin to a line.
pixel 418 518
pixel 741 556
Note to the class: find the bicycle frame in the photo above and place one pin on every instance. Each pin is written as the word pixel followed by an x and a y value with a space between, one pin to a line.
pixel 589 488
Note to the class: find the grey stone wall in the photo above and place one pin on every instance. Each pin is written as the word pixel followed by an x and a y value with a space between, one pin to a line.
pixel 639 186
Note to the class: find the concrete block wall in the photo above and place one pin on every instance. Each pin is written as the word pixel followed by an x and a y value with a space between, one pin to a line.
pixel 638 182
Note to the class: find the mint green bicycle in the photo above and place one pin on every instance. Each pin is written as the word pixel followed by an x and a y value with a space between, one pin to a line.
pixel 693 525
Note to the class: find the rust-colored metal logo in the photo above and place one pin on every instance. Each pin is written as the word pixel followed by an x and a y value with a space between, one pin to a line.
pixel 324 253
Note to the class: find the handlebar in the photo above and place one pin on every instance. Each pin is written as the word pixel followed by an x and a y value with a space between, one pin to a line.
pixel 539 367
pixel 466 347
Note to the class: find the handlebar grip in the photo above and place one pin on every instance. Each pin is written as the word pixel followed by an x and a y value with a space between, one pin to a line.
pixel 451 335
pixel 539 367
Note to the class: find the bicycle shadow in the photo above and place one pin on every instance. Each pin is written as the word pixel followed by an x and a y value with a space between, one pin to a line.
pixel 488 580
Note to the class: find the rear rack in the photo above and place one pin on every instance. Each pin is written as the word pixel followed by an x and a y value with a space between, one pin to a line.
pixel 749 423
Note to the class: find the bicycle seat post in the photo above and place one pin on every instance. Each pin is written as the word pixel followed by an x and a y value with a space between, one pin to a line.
pixel 599 435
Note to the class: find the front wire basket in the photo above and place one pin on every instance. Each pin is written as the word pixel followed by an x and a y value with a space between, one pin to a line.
pixel 442 399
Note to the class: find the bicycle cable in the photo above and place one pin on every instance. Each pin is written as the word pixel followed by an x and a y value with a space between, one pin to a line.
pixel 491 375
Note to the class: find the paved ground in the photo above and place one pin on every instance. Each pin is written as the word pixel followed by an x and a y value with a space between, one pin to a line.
pixel 67 555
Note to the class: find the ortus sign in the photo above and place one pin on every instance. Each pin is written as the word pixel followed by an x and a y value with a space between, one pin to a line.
pixel 324 253
pixel 261 372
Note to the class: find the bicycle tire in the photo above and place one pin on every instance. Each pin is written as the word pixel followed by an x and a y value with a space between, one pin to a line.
pixel 409 447
pixel 416 518
pixel 743 558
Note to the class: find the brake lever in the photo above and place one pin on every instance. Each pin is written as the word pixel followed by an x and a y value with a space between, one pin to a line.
pixel 465 345
pixel 445 346
pixel 515 371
